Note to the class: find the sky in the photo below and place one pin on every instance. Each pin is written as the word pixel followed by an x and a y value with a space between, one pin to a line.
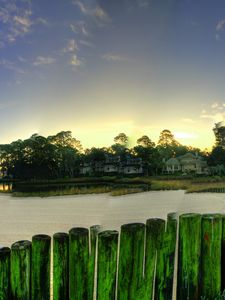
pixel 101 67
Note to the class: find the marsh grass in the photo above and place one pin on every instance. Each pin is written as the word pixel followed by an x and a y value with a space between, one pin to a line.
pixel 64 192
pixel 118 186
pixel 126 191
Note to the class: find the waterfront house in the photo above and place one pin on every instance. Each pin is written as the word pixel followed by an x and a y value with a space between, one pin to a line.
pixel 187 163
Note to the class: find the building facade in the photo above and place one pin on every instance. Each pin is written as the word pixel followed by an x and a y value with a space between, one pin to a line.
pixel 187 163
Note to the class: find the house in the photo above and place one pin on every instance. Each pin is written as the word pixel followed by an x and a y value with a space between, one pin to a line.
pixel 111 165
pixel 86 169
pixel 187 163
pixel 132 166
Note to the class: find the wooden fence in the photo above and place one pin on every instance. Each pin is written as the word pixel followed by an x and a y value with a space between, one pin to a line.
pixel 137 264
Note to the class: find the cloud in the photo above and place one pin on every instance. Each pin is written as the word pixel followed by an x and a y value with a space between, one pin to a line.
pixel 214 105
pixel 75 61
pixel 219 28
pixel 43 60
pixel 24 22
pixel 42 21
pixel 71 46
pixel 216 113
pixel 185 135
pixel 95 11
pixel 15 21
pixel 87 43
pixel 101 15
pixel 114 57
pixel 7 64
pixel 220 25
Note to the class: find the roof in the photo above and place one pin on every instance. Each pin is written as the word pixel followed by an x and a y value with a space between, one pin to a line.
pixel 173 161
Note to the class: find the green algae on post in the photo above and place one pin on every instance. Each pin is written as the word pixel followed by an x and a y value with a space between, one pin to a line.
pixel 189 257
pixel 4 273
pixel 20 270
pixel 40 273
pixel 223 255
pixel 211 255
pixel 61 266
pixel 131 256
pixel 165 260
pixel 107 264
pixel 154 233
pixel 78 263
pixel 94 230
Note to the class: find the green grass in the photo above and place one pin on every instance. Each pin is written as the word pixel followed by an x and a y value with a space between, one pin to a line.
pixel 158 185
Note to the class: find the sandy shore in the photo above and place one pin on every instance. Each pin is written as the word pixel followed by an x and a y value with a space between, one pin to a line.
pixel 20 218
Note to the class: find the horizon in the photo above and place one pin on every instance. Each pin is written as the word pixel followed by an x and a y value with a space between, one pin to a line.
pixel 98 68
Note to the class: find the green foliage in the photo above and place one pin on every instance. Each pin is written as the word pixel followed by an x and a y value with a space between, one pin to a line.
pixel 121 139
pixel 61 156
pixel 41 158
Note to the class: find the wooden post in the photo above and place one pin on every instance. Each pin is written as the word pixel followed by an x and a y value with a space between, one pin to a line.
pixel 94 230
pixel 131 255
pixel 211 255
pixel 20 270
pixel 4 273
pixel 223 255
pixel 165 261
pixel 155 229
pixel 40 273
pixel 107 264
pixel 60 266
pixel 189 252
pixel 78 263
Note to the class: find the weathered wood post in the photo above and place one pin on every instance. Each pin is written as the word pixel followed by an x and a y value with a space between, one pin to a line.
pixel 223 255
pixel 20 270
pixel 131 255
pixel 189 257
pixel 94 230
pixel 40 273
pixel 107 264
pixel 165 261
pixel 60 266
pixel 78 263
pixel 4 273
pixel 155 229
pixel 211 255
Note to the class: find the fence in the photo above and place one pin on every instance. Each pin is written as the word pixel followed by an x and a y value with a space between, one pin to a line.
pixel 138 264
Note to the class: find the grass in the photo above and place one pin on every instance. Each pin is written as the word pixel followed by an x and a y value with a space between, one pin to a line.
pixel 158 185
pixel 118 186
pixel 63 192
pixel 114 190
pixel 126 191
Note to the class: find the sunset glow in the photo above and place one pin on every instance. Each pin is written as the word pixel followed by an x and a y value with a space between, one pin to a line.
pixel 101 67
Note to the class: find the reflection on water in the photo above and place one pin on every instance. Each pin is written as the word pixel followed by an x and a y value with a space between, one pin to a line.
pixel 6 187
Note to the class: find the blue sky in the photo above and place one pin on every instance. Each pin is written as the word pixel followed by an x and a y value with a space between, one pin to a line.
pixel 103 67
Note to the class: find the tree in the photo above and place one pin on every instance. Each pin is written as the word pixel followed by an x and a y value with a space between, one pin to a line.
pixel 95 154
pixel 217 156
pixel 65 139
pixel 145 141
pixel 166 138
pixel 121 139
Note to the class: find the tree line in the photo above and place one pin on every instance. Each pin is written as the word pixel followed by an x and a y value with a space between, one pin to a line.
pixel 61 155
